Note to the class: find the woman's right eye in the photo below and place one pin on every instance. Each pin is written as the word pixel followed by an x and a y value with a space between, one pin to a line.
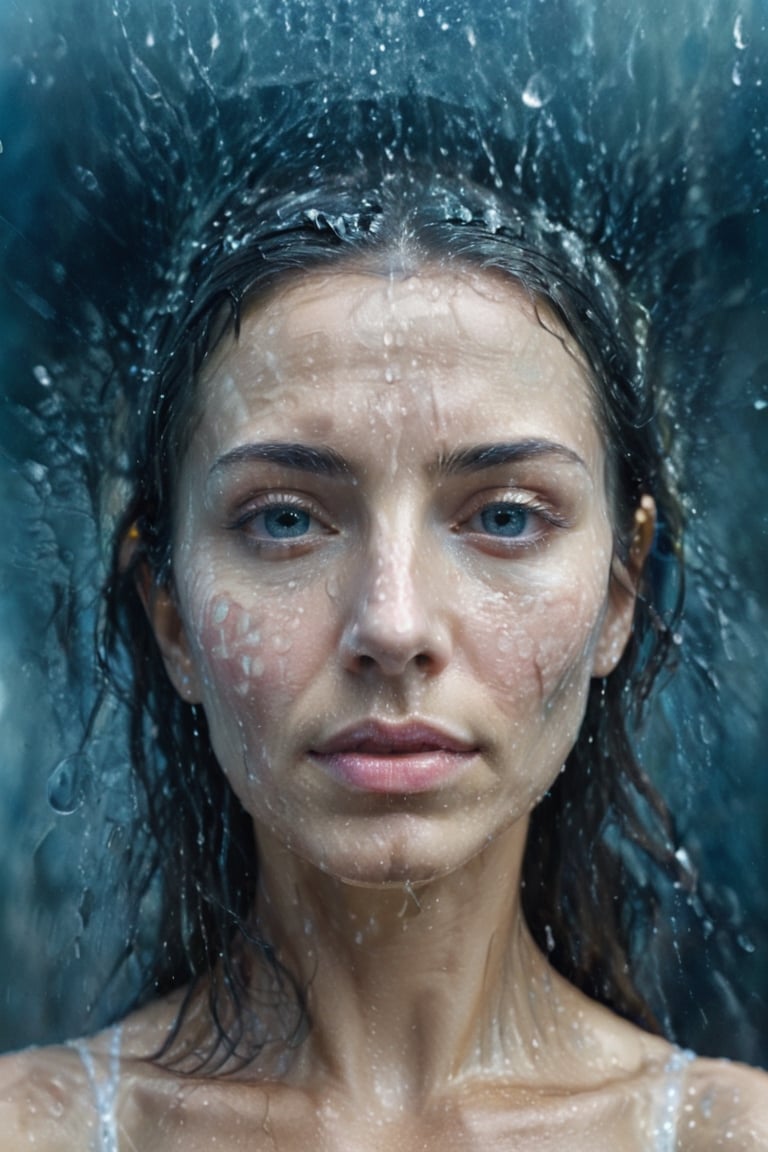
pixel 279 521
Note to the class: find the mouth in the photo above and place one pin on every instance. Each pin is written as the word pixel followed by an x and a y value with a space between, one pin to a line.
pixel 395 758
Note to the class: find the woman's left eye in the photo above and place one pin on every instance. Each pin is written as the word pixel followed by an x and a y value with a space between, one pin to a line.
pixel 508 520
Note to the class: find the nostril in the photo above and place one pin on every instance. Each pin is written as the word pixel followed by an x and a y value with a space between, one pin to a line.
pixel 423 660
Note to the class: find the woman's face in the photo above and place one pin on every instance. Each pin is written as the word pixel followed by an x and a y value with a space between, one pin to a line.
pixel 392 566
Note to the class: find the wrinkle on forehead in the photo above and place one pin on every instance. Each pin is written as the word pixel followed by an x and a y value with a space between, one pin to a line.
pixel 432 349
pixel 294 319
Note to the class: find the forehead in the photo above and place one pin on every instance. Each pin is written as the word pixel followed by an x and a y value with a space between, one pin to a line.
pixel 444 350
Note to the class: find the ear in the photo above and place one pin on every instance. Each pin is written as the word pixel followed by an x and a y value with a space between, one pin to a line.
pixel 622 592
pixel 162 611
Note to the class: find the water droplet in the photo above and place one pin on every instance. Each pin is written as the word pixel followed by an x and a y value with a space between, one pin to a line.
pixel 539 90
pixel 42 375
pixel 67 783
pixel 86 178
pixel 761 405
pixel 220 612
pixel 736 74
pixel 738 33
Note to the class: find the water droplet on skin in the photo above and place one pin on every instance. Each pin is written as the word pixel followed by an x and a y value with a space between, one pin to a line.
pixel 220 612
pixel 67 784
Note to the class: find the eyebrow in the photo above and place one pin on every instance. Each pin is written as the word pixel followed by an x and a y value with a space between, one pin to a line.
pixel 298 457
pixel 485 456
pixel 323 461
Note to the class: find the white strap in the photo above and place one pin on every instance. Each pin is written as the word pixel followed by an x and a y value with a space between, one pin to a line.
pixel 104 1090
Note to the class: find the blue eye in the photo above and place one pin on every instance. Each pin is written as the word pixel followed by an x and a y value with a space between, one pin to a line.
pixel 286 523
pixel 507 520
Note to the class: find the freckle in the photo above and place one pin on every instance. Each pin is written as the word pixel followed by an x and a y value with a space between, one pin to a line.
pixel 220 612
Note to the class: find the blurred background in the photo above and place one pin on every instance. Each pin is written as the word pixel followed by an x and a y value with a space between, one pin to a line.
pixel 124 126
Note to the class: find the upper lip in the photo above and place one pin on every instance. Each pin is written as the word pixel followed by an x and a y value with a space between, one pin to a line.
pixel 380 738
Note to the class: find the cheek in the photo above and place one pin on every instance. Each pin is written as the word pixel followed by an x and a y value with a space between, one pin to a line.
pixel 536 645
pixel 251 651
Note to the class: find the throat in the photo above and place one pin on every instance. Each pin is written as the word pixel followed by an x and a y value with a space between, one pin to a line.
pixel 411 988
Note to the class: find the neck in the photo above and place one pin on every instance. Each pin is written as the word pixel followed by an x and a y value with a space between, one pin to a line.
pixel 413 989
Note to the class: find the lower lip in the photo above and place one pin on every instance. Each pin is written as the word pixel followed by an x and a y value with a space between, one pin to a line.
pixel 396 775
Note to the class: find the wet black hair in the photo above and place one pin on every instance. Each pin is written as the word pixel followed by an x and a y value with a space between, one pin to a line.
pixel 584 892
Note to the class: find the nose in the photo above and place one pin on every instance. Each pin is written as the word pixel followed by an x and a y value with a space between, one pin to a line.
pixel 395 620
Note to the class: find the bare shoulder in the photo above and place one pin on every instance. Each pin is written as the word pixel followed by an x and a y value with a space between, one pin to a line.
pixel 44 1101
pixel 54 1098
pixel 725 1105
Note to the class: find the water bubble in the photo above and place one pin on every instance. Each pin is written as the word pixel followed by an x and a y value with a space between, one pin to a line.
pixel 539 90
pixel 67 783
pixel 42 375
pixel 87 178
pixel 761 405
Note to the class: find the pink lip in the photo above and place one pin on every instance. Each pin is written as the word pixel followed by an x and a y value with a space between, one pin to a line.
pixel 397 758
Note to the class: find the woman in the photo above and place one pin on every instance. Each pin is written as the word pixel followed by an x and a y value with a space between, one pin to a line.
pixel 387 567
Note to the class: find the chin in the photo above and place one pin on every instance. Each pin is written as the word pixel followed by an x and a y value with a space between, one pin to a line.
pixel 408 851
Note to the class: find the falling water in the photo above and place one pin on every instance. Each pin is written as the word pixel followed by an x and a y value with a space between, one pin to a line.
pixel 126 128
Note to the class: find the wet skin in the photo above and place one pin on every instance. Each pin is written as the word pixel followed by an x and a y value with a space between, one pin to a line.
pixel 402 576
pixel 393 582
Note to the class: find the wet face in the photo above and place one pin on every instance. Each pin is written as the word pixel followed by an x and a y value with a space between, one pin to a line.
pixel 392 565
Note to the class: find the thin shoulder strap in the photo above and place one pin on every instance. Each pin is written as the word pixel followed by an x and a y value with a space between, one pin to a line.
pixel 104 1089
pixel 671 1102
